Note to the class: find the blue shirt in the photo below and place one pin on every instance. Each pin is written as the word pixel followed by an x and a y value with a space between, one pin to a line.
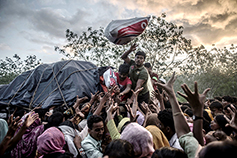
pixel 92 147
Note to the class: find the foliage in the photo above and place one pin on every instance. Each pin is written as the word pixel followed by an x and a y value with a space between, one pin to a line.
pixel 167 51
pixel 12 67
pixel 162 41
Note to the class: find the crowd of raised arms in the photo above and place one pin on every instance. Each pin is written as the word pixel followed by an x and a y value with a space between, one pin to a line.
pixel 138 117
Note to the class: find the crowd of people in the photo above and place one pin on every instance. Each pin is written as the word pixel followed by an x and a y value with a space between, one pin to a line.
pixel 138 117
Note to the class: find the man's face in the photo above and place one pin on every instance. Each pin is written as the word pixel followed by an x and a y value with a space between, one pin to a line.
pixel 97 131
pixel 139 60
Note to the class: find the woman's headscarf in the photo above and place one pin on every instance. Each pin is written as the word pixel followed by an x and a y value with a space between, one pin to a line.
pixel 140 138
pixel 51 141
pixel 159 139
pixel 27 146
pixel 4 129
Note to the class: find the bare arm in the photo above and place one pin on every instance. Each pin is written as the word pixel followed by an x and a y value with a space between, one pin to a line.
pixel 128 88
pixel 180 124
pixel 140 82
pixel 125 55
pixel 196 101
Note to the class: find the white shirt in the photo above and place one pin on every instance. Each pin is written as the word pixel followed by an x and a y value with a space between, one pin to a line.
pixel 174 142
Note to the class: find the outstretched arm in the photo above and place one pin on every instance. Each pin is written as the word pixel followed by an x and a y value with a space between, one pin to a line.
pixel 196 101
pixel 180 124
pixel 125 55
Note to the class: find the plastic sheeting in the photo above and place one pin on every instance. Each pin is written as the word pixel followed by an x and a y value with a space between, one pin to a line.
pixel 41 85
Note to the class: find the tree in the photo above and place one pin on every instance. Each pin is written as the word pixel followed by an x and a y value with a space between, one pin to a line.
pixel 162 41
pixel 12 67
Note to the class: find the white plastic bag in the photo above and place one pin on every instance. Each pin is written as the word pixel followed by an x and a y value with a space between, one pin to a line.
pixel 123 31
pixel 109 78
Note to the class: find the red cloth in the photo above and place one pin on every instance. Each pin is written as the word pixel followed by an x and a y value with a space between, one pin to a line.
pixel 155 78
pixel 122 85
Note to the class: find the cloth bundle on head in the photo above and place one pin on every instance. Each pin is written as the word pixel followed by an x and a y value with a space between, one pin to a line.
pixel 123 31
pixel 51 141
pixel 140 138
pixel 159 139
pixel 4 129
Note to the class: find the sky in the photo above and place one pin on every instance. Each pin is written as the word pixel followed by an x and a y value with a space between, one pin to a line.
pixel 34 27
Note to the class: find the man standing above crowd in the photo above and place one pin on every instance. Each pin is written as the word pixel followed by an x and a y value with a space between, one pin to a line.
pixel 137 73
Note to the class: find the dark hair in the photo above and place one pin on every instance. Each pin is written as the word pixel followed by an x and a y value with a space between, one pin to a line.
pixel 218 98
pixel 228 106
pixel 147 65
pixel 124 68
pixel 125 149
pixel 41 112
pixel 141 53
pixel 166 118
pixel 206 121
pixel 169 152
pixel 221 121
pixel 59 155
pixel 219 149
pixel 216 104
pixel 94 119
pixel 227 98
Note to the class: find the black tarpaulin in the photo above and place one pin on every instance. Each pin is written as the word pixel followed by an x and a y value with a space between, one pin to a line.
pixel 41 85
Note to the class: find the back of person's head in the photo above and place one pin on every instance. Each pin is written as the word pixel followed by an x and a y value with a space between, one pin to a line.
pixel 41 112
pixel 147 65
pixel 218 98
pixel 219 149
pixel 59 155
pixel 221 121
pixel 119 149
pixel 20 113
pixel 216 104
pixel 166 117
pixel 140 138
pixel 227 98
pixel 94 119
pixel 141 53
pixel 169 152
pixel 124 69
pixel 55 119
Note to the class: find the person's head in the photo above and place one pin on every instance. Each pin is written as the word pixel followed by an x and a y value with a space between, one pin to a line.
pixel 148 67
pixel 169 152
pixel 219 149
pixel 125 149
pixel 95 125
pixel 166 123
pixel 140 57
pixel 215 136
pixel 55 119
pixel 51 141
pixel 140 138
pixel 123 71
pixel 216 108
pixel 227 98
pixel 219 123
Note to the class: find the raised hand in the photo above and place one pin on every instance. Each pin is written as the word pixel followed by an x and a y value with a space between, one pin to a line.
pixel 194 98
pixel 133 47
pixel 233 121
pixel 137 91
pixel 13 125
pixel 168 87
pixel 30 119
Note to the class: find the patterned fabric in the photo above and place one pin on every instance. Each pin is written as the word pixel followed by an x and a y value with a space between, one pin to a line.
pixel 27 146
